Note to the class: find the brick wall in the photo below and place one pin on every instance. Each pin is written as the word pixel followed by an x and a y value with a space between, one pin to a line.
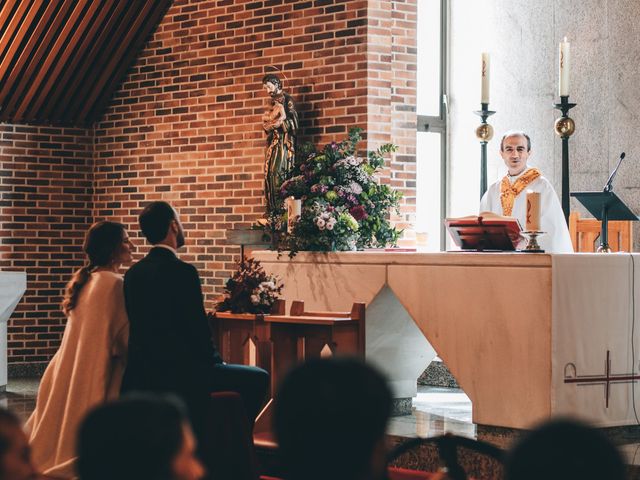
pixel 391 83
pixel 185 125
pixel 45 208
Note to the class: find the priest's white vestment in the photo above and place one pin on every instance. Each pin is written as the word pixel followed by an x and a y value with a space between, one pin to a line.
pixel 556 238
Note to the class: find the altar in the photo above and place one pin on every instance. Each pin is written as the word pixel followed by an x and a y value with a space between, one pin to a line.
pixel 12 287
pixel 526 336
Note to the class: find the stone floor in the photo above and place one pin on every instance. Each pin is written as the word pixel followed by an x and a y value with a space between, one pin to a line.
pixel 436 410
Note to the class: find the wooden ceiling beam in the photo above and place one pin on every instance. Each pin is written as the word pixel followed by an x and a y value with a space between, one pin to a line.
pixel 14 22
pixel 7 82
pixel 69 52
pixel 57 54
pixel 17 96
pixel 120 70
pixel 95 60
pixel 117 78
pixel 6 13
pixel 61 60
pixel 116 44
pixel 80 61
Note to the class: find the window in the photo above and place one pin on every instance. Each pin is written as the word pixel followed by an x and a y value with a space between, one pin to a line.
pixel 431 151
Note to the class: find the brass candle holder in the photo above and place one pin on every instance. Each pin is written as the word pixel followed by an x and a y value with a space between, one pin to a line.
pixel 564 127
pixel 532 241
pixel 484 133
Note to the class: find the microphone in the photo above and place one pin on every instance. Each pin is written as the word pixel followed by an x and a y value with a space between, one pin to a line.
pixel 608 186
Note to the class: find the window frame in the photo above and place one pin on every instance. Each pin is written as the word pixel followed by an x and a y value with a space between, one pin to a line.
pixel 439 124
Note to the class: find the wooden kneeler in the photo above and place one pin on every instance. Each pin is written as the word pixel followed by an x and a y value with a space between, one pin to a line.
pixel 243 338
pixel 303 335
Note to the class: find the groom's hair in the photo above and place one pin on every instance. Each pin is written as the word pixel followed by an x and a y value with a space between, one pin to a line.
pixel 155 220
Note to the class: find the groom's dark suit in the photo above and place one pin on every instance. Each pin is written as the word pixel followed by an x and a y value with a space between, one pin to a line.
pixel 170 347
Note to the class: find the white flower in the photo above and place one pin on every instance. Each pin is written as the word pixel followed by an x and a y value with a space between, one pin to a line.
pixel 330 225
pixel 355 188
pixel 320 223
pixel 255 299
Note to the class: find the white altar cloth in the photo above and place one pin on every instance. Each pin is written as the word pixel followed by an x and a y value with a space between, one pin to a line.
pixel 12 287
pixel 594 312
pixel 512 328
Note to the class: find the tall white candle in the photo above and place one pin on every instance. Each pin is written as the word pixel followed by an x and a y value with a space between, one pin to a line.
pixel 564 59
pixel 533 211
pixel 484 72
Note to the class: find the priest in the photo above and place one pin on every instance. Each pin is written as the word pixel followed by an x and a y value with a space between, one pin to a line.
pixel 508 196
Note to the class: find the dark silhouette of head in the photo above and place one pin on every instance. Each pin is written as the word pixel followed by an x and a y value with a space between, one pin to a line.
pixel 134 438
pixel 330 419
pixel 155 221
pixel 15 454
pixel 564 449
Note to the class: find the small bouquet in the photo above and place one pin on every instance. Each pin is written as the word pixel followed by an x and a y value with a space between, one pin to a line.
pixel 250 290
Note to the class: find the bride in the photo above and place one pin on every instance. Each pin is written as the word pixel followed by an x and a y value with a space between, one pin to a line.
pixel 87 369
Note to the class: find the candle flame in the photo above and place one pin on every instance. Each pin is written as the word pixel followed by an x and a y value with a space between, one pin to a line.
pixel 565 39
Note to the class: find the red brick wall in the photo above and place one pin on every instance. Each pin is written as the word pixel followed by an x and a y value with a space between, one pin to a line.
pixel 45 208
pixel 391 57
pixel 185 125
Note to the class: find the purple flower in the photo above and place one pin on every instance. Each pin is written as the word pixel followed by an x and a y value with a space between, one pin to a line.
pixel 302 167
pixel 351 198
pixel 358 212
pixel 334 145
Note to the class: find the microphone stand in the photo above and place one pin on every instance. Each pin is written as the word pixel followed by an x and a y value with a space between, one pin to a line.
pixel 604 231
pixel 609 185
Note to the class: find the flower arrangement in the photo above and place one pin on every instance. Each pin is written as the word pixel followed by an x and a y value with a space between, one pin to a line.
pixel 250 290
pixel 344 207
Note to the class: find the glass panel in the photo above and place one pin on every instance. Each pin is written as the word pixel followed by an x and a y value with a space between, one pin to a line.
pixel 428 102
pixel 428 190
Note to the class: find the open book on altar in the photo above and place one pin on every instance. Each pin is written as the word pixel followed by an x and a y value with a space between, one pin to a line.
pixel 486 231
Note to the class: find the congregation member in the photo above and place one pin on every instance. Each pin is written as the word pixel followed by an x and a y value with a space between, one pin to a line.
pixel 508 196
pixel 564 449
pixel 330 419
pixel 138 438
pixel 170 347
pixel 15 453
pixel 88 367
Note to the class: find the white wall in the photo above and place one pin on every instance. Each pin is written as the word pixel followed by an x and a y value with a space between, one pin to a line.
pixel 522 37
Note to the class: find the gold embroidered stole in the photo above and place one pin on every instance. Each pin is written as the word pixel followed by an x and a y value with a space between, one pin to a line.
pixel 508 192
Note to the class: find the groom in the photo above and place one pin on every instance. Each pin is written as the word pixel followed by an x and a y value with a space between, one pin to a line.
pixel 170 348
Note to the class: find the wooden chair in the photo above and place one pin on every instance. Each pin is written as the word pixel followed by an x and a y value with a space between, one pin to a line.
pixel 585 234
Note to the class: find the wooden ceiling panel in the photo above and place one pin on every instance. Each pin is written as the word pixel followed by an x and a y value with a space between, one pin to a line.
pixel 60 61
